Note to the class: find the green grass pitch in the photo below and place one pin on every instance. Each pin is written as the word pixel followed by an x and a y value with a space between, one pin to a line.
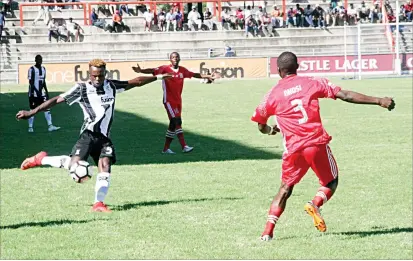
pixel 212 203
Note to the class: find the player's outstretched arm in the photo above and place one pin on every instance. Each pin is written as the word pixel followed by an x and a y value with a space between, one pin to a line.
pixel 358 98
pixel 143 80
pixel 42 107
pixel 206 76
pixel 138 69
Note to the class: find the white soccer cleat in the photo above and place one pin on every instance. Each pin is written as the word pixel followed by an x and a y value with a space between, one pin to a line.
pixel 187 149
pixel 266 238
pixel 168 151
pixel 53 128
pixel 31 130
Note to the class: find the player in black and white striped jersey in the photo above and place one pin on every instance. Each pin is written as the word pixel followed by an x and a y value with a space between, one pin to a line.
pixel 38 92
pixel 97 100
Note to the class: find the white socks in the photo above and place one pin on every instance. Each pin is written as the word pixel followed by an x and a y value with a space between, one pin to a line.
pixel 31 120
pixel 48 117
pixel 57 161
pixel 102 186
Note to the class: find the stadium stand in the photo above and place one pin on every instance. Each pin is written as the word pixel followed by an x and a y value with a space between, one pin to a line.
pixel 22 43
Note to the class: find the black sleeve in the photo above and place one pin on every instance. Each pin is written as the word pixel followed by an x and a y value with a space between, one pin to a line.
pixel 119 85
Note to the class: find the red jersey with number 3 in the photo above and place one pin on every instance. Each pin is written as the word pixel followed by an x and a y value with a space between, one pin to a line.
pixel 294 102
pixel 172 87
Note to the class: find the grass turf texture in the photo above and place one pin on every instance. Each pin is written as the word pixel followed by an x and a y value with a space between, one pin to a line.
pixel 212 203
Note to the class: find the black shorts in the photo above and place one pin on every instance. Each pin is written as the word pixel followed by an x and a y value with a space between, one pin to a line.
pixel 94 144
pixel 36 101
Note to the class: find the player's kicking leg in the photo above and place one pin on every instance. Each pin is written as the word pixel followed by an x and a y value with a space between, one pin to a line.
pixel 41 159
pixel 325 167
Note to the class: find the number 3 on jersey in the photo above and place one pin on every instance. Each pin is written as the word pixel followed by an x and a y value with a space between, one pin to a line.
pixel 299 107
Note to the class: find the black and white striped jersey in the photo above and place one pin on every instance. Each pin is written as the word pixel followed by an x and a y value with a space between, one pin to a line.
pixel 98 104
pixel 37 81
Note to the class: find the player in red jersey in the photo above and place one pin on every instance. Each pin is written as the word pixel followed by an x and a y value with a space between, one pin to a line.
pixel 172 100
pixel 294 103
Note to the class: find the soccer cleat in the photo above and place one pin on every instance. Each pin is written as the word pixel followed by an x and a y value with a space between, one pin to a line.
pixel 266 238
pixel 314 212
pixel 187 149
pixel 100 207
pixel 33 161
pixel 168 151
pixel 31 130
pixel 53 128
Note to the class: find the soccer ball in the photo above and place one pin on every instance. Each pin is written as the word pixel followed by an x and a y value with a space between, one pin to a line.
pixel 80 171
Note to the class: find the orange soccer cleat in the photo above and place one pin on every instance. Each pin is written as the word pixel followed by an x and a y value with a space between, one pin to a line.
pixel 314 212
pixel 33 161
pixel 100 207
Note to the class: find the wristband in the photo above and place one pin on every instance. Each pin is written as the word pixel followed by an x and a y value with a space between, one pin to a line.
pixel 159 77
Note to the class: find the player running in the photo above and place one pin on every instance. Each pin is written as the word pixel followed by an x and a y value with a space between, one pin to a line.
pixel 172 100
pixel 294 102
pixel 38 92
pixel 97 100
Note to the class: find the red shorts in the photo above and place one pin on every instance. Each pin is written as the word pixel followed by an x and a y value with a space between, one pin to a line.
pixel 173 109
pixel 319 158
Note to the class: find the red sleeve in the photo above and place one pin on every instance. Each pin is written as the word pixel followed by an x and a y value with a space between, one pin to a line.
pixel 263 111
pixel 158 70
pixel 187 73
pixel 326 89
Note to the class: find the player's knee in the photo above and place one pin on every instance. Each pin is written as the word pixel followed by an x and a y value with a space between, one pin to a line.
pixel 178 121
pixel 333 184
pixel 172 124
pixel 286 190
pixel 104 164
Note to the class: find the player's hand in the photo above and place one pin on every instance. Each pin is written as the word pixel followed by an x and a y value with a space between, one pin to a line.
pixel 167 75
pixel 274 130
pixel 215 76
pixel 387 103
pixel 23 115
pixel 136 68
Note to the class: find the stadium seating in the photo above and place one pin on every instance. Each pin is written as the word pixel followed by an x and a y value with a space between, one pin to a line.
pixel 21 44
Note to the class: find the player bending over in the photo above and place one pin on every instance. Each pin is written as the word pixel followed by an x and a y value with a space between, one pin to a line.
pixel 294 102
pixel 97 100
pixel 172 100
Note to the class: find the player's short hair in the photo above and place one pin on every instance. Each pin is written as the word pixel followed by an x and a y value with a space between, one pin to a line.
pixel 38 57
pixel 287 61
pixel 170 56
pixel 98 63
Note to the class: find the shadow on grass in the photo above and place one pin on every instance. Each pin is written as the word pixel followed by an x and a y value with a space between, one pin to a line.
pixel 378 231
pixel 45 223
pixel 138 140
pixel 163 202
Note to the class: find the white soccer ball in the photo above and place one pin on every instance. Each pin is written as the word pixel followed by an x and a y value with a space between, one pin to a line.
pixel 80 171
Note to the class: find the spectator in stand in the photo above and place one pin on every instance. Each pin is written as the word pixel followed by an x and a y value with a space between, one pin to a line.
pixel 54 31
pixel 266 26
pixel 333 3
pixel 259 15
pixel 226 18
pixel 148 15
pixel 228 51
pixel 162 20
pixel 299 16
pixel 73 29
pixel 276 18
pixel 2 22
pixel 170 19
pixel 363 12
pixel 117 22
pixel 8 7
pixel 179 18
pixel 124 9
pixel 194 18
pixel 291 18
pixel 352 15
pixel 342 14
pixel 331 15
pixel 375 13
pixel 247 14
pixel 408 10
pixel 94 18
pixel 208 19
pixel 389 10
pixel 240 22
pixel 308 15
pixel 319 15
pixel 43 13
pixel 251 27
